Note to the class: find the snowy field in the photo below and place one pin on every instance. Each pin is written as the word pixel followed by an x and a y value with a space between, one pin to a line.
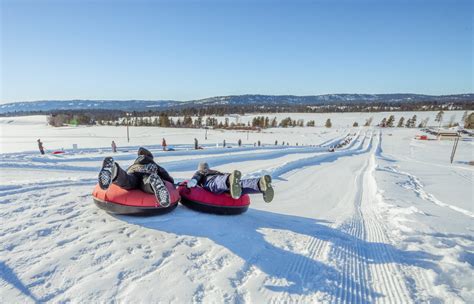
pixel 384 219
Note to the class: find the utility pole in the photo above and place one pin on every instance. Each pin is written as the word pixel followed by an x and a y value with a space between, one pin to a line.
pixel 455 146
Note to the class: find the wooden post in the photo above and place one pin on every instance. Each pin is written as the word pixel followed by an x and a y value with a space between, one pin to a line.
pixel 128 134
pixel 128 124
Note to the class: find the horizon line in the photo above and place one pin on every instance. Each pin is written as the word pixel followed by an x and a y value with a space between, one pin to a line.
pixel 231 95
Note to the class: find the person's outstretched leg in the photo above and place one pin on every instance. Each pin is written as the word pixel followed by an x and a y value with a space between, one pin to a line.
pixel 124 180
pixel 216 184
pixel 155 185
pixel 259 185
pixel 225 183
pixel 250 186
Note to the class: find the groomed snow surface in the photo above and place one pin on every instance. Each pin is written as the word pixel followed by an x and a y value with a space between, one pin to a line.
pixel 385 218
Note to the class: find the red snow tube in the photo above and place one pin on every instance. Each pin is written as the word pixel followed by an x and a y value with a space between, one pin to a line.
pixel 133 202
pixel 202 200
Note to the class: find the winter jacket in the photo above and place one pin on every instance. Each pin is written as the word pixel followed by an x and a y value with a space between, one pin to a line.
pixel 202 176
pixel 146 165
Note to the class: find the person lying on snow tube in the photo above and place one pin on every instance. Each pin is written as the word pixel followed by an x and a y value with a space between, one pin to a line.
pixel 144 174
pixel 218 183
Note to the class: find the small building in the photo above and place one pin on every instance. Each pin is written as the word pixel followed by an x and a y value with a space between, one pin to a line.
pixel 447 135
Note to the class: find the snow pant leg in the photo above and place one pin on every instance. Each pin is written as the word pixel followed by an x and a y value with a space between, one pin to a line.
pixel 250 186
pixel 217 184
pixel 145 185
pixel 125 180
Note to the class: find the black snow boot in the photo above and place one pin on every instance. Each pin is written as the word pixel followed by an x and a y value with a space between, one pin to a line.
pixel 265 184
pixel 159 189
pixel 107 173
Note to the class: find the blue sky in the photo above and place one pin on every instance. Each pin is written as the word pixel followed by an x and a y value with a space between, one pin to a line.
pixel 194 49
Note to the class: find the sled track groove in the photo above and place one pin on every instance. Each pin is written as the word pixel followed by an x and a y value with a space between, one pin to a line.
pixel 301 269
pixel 319 249
pixel 369 272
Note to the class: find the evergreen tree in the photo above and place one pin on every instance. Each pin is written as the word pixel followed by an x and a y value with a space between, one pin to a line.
pixel 469 121
pixel 413 121
pixel 198 122
pixel 164 120
pixel 400 122
pixel 187 121
pixel 464 116
pixel 439 117
pixel 274 122
pixel 390 121
pixel 286 122
pixel 368 122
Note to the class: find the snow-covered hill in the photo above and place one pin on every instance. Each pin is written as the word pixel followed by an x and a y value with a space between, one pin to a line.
pixel 49 105
pixel 328 99
pixel 386 218
pixel 269 100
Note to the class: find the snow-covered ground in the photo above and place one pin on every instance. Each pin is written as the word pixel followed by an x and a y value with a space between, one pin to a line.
pixel 386 218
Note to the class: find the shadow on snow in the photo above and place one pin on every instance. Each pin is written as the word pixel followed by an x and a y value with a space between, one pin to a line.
pixel 244 235
pixel 9 276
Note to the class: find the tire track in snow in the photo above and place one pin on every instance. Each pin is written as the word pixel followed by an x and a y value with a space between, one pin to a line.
pixel 356 147
pixel 368 268
pixel 316 248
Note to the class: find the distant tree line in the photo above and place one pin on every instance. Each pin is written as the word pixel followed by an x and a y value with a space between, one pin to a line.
pixel 165 121
pixel 259 122
pixel 222 110
pixel 389 122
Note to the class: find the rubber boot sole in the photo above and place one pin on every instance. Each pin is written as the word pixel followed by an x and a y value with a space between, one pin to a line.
pixel 234 184
pixel 159 188
pixel 265 184
pixel 106 173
